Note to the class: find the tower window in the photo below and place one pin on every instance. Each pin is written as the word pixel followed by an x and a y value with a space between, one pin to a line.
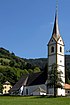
pixel 60 49
pixel 52 49
pixel 5 91
pixel 5 87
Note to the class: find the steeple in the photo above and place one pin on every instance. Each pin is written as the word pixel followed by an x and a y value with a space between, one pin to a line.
pixel 56 33
pixel 56 57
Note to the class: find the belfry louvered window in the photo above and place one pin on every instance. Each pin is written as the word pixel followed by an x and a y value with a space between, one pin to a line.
pixel 52 49
pixel 60 49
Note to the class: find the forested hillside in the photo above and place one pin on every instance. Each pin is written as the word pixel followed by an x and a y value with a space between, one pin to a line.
pixel 13 67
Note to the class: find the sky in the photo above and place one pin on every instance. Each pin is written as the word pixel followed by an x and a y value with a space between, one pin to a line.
pixel 26 26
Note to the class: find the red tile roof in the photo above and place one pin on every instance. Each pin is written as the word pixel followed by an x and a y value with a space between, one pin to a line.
pixel 67 86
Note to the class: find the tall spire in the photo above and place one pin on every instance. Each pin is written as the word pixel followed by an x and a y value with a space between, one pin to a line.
pixel 56 33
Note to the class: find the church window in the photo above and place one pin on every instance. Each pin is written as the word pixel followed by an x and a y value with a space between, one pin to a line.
pixel 68 91
pixel 60 49
pixel 5 87
pixel 10 87
pixel 52 49
pixel 26 91
pixel 8 90
pixel 5 91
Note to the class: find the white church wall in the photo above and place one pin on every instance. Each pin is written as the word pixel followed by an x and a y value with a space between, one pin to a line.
pixel 51 60
pixel 60 60
pixel 43 93
pixel 22 90
pixel 32 88
pixel 35 93
pixel 61 92
pixel 60 41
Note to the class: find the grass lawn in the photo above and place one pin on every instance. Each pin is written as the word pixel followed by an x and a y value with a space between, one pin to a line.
pixel 9 100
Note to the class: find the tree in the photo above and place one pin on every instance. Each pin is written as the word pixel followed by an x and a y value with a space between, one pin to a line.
pixel 30 71
pixel 25 71
pixel 1 87
pixel 54 78
pixel 67 75
pixel 12 63
pixel 36 69
pixel 1 82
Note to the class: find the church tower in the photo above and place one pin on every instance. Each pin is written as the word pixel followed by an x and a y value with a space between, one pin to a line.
pixel 56 55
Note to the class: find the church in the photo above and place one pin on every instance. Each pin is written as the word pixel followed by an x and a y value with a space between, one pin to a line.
pixel 37 83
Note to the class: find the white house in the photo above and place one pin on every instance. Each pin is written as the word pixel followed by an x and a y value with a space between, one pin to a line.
pixel 6 87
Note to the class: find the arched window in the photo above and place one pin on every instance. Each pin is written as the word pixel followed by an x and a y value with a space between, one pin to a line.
pixel 52 49
pixel 60 49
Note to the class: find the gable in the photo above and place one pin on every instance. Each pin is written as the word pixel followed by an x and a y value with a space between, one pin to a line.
pixel 22 81
pixel 52 41
pixel 60 41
